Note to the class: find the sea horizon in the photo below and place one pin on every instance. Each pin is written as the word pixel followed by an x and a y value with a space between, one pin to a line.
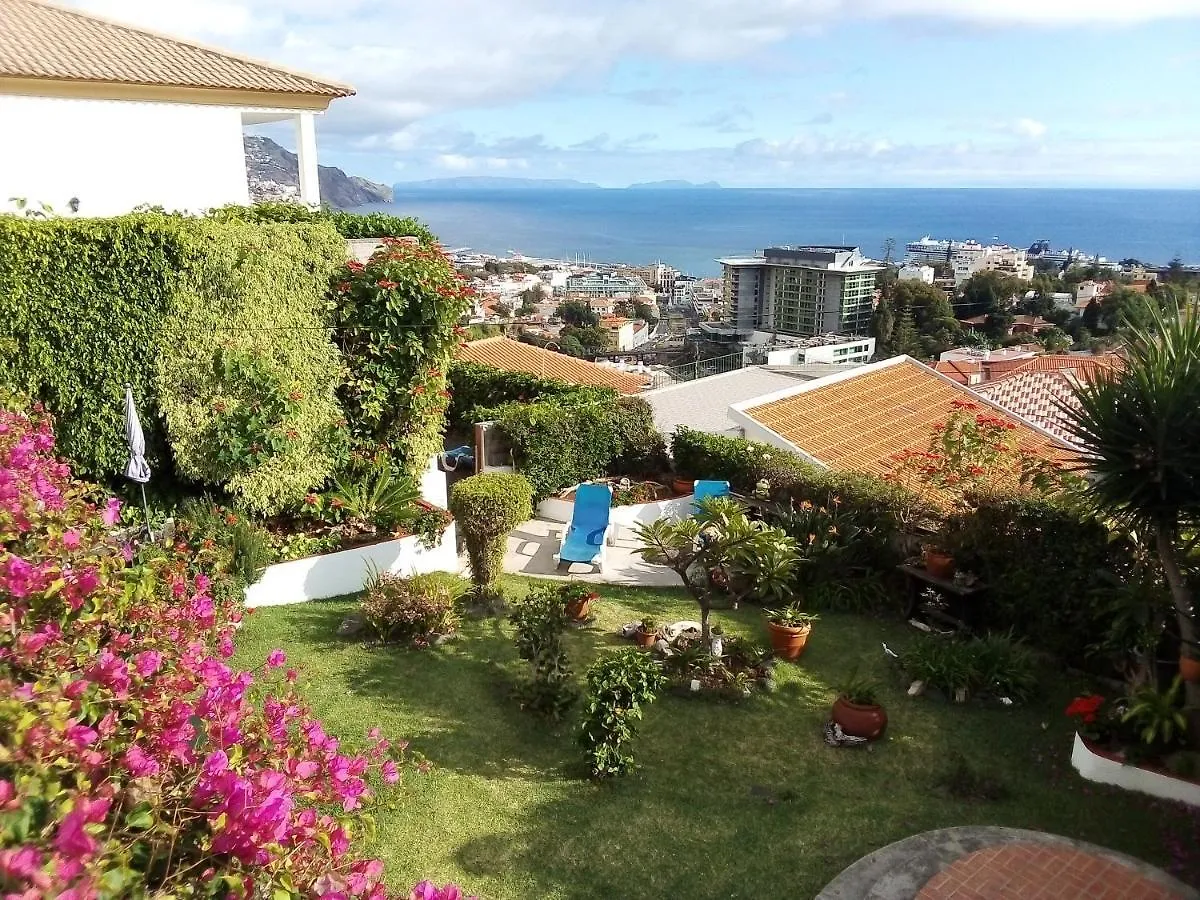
pixel 690 227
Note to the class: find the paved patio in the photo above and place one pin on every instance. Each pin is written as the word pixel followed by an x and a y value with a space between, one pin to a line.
pixel 987 863
pixel 532 545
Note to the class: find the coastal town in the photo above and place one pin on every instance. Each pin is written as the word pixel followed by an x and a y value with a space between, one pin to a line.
pixel 341 563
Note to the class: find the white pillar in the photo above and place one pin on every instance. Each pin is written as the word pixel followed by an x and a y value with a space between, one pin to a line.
pixel 306 152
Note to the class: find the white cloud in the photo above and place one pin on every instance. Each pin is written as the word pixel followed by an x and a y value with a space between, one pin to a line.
pixel 1030 128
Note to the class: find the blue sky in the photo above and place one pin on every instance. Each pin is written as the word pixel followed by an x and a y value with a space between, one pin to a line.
pixel 763 93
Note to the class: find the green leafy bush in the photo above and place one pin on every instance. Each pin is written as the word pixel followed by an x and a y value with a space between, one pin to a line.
pixel 348 224
pixel 82 304
pixel 377 497
pixel 996 664
pixel 475 387
pixel 558 444
pixel 1048 565
pixel 540 620
pixel 487 507
pixel 413 610
pixel 224 541
pixel 882 509
pixel 619 685
pixel 247 374
pixel 397 321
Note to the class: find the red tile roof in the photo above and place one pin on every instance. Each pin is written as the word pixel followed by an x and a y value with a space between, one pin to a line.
pixel 962 372
pixel 858 421
pixel 515 356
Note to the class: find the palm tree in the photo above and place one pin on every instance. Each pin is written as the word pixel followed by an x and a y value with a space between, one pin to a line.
pixel 1140 432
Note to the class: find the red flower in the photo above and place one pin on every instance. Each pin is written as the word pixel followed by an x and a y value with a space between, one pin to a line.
pixel 344 287
pixel 1085 708
pixel 386 285
pixel 311 499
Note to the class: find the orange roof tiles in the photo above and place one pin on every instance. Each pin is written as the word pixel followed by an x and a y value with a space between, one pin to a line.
pixel 858 421
pixel 515 356
pixel 41 41
pixel 962 371
pixel 1085 366
pixel 1035 396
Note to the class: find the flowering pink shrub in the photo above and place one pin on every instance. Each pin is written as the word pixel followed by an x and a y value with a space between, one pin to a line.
pixel 133 759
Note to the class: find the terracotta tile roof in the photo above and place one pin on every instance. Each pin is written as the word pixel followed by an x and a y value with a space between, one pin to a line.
pixel 515 356
pixel 1084 366
pixel 858 421
pixel 1034 395
pixel 41 41
pixel 962 372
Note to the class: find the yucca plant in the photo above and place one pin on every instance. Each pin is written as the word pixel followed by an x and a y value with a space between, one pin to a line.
pixel 380 497
pixel 1139 429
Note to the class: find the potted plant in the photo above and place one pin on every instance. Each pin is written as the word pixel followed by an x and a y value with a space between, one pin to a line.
pixel 578 600
pixel 681 484
pixel 1189 668
pixel 789 627
pixel 857 709
pixel 937 561
pixel 647 633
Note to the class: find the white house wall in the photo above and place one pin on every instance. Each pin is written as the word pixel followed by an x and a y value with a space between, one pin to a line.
pixel 115 155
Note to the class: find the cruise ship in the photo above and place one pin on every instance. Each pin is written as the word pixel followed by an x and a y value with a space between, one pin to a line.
pixel 928 249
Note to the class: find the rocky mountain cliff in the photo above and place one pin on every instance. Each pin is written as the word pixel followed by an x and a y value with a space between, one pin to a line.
pixel 274 174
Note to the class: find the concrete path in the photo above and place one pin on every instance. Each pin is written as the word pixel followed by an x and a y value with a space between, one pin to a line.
pixel 532 545
pixel 987 863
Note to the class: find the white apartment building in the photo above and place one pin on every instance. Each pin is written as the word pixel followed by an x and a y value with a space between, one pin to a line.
pixel 970 259
pixel 802 291
pixel 822 348
pixel 625 334
pixel 916 272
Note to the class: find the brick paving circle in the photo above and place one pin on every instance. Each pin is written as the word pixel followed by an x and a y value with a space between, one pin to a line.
pixel 1021 871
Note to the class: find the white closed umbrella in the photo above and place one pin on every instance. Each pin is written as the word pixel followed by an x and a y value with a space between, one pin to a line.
pixel 137 469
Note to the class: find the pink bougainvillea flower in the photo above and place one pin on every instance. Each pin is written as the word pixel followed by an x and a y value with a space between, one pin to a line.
pixel 112 512
pixel 276 658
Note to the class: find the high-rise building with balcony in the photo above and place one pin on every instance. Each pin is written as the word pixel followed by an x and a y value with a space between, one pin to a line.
pixel 803 291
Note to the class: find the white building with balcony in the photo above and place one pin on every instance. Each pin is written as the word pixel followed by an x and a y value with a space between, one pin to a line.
pixel 100 117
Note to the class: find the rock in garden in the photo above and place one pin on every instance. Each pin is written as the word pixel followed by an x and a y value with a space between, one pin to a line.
pixel 351 626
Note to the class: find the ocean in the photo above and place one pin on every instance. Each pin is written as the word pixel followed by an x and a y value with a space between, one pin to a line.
pixel 689 228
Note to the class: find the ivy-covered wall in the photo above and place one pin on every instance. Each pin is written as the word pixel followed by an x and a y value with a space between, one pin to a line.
pixel 82 307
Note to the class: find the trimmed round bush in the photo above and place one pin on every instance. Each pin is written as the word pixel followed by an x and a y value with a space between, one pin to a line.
pixel 487 507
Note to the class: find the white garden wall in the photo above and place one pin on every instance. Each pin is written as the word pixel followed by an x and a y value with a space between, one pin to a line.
pixel 1103 770
pixel 347 571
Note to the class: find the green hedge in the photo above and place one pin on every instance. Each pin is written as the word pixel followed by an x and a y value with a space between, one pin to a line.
pixel 248 372
pixel 487 507
pixel 82 306
pixel 1050 568
pixel 348 225
pixel 892 508
pixel 557 444
pixel 475 387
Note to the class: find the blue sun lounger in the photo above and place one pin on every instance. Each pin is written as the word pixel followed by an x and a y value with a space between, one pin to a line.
pixel 706 490
pixel 587 535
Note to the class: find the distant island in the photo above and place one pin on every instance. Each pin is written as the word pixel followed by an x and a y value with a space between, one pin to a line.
pixel 493 183
pixel 674 184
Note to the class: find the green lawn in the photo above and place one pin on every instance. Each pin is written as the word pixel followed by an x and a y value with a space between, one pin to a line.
pixel 731 801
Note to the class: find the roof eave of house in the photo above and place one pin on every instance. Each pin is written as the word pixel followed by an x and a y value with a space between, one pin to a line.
pixel 70 89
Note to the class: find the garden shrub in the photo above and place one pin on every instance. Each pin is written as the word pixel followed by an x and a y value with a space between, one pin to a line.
pixel 1045 562
pixel 996 664
pixel 136 761
pixel 540 621
pixel 475 387
pixel 559 444
pixel 397 320
pixel 82 304
pixel 487 507
pixel 619 685
pixel 888 510
pixel 408 610
pixel 349 225
pixel 248 374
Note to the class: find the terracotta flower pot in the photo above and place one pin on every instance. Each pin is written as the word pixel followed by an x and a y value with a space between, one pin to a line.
pixel 682 485
pixel 645 638
pixel 938 564
pixel 788 642
pixel 1189 669
pixel 860 720
pixel 579 609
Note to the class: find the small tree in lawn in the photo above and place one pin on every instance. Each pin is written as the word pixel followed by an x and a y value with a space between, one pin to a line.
pixel 1140 431
pixel 487 507
pixel 720 552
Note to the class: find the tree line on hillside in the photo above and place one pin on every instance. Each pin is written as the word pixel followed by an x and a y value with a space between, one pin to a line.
pixel 920 320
